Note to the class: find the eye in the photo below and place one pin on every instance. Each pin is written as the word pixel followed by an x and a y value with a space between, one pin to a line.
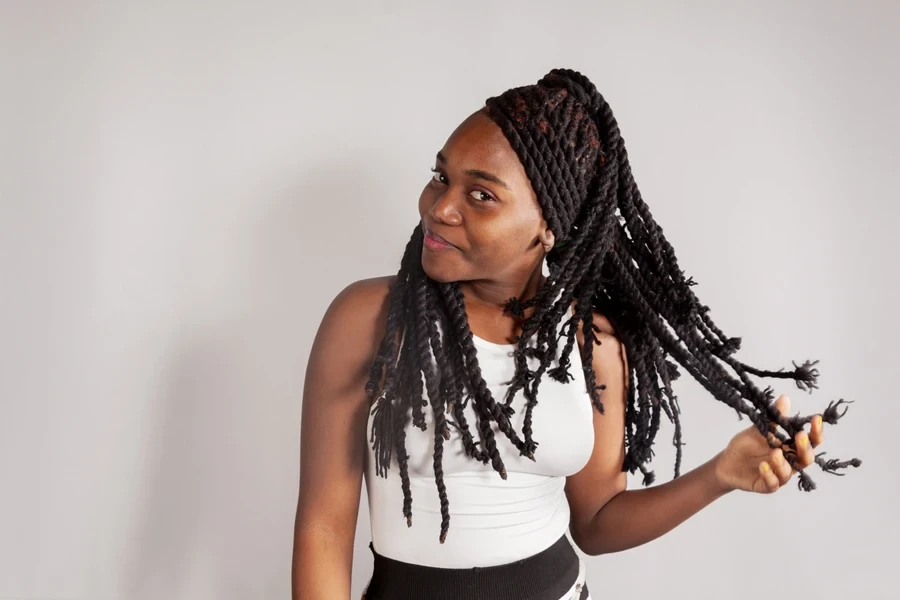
pixel 485 197
pixel 479 195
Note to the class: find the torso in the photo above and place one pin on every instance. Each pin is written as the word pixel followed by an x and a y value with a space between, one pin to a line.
pixel 492 521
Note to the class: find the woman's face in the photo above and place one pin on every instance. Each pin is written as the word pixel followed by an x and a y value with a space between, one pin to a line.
pixel 481 202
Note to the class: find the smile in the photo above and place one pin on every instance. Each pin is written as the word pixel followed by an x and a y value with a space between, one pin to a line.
pixel 436 242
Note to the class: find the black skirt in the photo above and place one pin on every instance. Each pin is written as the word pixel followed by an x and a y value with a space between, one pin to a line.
pixel 547 575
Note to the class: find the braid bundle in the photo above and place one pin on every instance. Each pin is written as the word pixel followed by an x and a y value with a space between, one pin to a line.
pixel 610 256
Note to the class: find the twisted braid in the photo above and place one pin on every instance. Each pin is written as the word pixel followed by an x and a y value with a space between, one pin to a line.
pixel 610 256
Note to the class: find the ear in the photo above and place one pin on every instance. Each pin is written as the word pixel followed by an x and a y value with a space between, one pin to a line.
pixel 546 238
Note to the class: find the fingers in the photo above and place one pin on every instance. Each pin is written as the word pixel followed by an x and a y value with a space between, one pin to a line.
pixel 815 431
pixel 780 466
pixel 816 434
pixel 776 471
pixel 805 455
pixel 768 479
pixel 783 404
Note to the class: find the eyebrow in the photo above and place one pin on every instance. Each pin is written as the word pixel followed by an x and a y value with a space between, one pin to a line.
pixel 477 173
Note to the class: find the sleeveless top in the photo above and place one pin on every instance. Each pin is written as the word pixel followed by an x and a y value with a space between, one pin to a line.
pixel 492 521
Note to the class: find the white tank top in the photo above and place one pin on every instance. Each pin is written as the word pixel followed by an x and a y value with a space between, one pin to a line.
pixel 492 521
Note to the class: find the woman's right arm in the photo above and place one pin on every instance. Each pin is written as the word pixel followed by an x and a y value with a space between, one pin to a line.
pixel 333 440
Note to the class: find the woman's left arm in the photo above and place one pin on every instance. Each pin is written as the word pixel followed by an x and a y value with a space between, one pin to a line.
pixel 635 517
pixel 605 517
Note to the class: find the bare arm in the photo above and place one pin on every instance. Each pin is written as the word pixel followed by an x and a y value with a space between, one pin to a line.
pixel 333 441
pixel 605 516
pixel 635 517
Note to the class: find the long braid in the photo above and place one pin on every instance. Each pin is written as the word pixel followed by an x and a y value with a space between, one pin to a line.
pixel 409 394
pixel 452 371
pixel 485 405
pixel 425 365
pixel 610 256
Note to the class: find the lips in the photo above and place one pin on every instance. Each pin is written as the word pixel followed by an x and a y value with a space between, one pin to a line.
pixel 437 240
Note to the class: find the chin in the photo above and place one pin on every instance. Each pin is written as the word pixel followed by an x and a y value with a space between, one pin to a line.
pixel 442 270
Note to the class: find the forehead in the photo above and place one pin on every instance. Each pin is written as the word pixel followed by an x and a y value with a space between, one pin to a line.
pixel 479 143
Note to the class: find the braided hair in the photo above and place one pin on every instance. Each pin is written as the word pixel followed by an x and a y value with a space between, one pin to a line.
pixel 609 255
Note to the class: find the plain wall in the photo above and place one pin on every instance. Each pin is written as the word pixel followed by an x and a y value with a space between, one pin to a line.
pixel 184 187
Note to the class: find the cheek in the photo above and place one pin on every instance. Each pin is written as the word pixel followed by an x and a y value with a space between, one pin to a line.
pixel 425 200
pixel 503 240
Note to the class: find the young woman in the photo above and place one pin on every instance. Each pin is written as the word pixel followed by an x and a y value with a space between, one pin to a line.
pixel 473 500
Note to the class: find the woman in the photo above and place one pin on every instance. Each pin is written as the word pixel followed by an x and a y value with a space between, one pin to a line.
pixel 470 334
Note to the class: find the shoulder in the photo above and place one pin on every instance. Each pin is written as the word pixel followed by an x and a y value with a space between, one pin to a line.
pixel 609 355
pixel 358 313
pixel 363 296
pixel 604 324
pixel 603 328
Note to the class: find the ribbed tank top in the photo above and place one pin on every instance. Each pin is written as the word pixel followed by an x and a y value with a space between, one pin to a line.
pixel 492 521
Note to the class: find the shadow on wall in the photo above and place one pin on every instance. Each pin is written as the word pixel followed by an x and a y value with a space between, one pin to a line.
pixel 220 481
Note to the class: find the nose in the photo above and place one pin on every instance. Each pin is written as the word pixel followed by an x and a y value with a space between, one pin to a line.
pixel 445 211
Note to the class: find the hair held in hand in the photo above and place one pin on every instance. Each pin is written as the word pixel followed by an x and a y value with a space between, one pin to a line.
pixel 609 255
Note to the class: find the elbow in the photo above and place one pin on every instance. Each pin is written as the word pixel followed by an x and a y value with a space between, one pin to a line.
pixel 590 545
pixel 586 549
pixel 590 533
pixel 584 539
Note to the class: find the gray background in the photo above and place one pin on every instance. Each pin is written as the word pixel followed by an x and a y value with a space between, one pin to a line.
pixel 186 187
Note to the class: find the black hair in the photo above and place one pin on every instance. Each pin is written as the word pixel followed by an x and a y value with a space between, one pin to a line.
pixel 610 255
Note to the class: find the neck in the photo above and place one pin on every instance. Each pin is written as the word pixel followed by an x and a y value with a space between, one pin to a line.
pixel 492 294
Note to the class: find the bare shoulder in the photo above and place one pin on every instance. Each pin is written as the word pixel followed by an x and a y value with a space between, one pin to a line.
pixel 609 354
pixel 357 314
pixel 604 324
pixel 363 297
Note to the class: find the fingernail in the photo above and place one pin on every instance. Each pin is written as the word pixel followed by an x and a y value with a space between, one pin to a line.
pixel 765 467
pixel 801 440
pixel 818 420
pixel 779 459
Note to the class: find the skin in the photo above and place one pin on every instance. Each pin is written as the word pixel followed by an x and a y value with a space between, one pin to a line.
pixel 499 239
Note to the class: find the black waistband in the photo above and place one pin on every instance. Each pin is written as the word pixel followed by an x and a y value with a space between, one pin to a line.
pixel 546 575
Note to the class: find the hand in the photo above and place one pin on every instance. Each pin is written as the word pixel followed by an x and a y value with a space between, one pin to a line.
pixel 749 464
